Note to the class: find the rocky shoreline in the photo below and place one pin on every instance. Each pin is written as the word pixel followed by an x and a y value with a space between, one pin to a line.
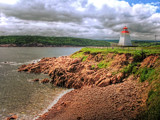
pixel 73 73
pixel 106 93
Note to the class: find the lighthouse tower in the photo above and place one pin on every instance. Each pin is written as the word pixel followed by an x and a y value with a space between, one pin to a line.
pixel 125 39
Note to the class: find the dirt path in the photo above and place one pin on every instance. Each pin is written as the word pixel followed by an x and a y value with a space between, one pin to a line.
pixel 117 101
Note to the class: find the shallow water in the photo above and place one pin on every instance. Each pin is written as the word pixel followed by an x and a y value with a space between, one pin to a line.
pixel 17 95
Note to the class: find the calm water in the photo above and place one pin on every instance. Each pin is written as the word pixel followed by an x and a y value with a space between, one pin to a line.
pixel 17 94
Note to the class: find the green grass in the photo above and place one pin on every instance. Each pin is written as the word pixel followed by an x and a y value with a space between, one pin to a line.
pixel 152 110
pixel 130 69
pixel 103 64
pixel 78 54
pixel 145 73
pixel 138 52
pixel 84 58
pixel 93 66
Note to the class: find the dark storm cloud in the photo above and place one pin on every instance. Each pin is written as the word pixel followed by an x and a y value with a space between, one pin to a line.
pixel 42 10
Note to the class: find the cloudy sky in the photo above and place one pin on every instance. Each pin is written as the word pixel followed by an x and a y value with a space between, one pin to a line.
pixel 95 19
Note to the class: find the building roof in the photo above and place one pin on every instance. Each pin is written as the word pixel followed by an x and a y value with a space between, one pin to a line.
pixel 125 30
pixel 125 27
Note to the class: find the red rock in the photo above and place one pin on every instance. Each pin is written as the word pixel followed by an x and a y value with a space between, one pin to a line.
pixel 109 74
pixel 98 58
pixel 149 61
pixel 72 68
pixel 114 79
pixel 89 72
pixel 120 76
pixel 35 80
pixel 97 77
pixel 104 83
pixel 75 61
pixel 46 80
pixel 89 67
pixel 13 117
pixel 120 108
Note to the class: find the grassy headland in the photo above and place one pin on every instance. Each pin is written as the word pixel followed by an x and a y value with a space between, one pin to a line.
pixel 147 72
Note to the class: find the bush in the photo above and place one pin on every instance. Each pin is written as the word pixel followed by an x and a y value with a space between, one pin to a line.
pixel 131 68
pixel 145 73
pixel 138 56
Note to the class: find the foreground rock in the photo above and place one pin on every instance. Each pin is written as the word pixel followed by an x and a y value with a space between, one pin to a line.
pixel 46 80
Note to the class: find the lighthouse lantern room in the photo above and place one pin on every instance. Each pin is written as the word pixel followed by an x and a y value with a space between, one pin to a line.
pixel 125 39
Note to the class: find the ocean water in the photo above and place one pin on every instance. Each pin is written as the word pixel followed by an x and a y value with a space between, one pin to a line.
pixel 18 95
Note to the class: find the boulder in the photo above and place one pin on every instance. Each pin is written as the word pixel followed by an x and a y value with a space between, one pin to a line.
pixel 46 80
pixel 12 117
pixel 98 58
pixel 72 68
pixel 75 61
pixel 35 80
pixel 104 83
pixel 109 74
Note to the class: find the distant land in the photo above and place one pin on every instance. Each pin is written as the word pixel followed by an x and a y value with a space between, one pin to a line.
pixel 43 41
pixel 48 41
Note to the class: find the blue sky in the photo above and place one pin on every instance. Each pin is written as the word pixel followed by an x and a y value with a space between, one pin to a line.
pixel 141 1
pixel 95 19
pixel 157 2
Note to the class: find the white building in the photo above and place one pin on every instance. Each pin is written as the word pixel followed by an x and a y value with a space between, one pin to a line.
pixel 125 39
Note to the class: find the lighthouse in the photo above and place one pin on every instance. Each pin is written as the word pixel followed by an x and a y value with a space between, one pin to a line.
pixel 125 39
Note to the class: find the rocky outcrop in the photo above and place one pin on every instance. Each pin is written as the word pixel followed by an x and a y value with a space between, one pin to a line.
pixel 149 61
pixel 73 73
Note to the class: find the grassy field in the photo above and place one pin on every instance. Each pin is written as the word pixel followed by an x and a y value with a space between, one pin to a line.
pixel 135 51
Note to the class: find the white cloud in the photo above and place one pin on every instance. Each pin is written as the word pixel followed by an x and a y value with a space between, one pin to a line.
pixel 8 1
pixel 79 18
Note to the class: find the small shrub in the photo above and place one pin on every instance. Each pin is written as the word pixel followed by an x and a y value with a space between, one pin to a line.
pixel 145 73
pixel 138 55
pixel 131 68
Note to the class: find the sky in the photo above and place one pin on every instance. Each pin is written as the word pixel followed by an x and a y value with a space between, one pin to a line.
pixel 94 19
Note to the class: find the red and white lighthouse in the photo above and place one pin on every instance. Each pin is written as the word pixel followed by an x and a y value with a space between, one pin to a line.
pixel 125 39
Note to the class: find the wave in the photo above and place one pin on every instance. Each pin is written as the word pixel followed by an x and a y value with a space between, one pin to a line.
pixel 16 64
pixel 54 102
pixel 32 61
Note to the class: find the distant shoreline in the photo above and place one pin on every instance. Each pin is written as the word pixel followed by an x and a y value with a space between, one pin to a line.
pixel 37 45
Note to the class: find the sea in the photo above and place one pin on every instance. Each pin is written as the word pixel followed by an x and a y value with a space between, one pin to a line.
pixel 20 96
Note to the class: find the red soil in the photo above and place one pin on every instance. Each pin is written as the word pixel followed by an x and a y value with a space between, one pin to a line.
pixel 117 101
